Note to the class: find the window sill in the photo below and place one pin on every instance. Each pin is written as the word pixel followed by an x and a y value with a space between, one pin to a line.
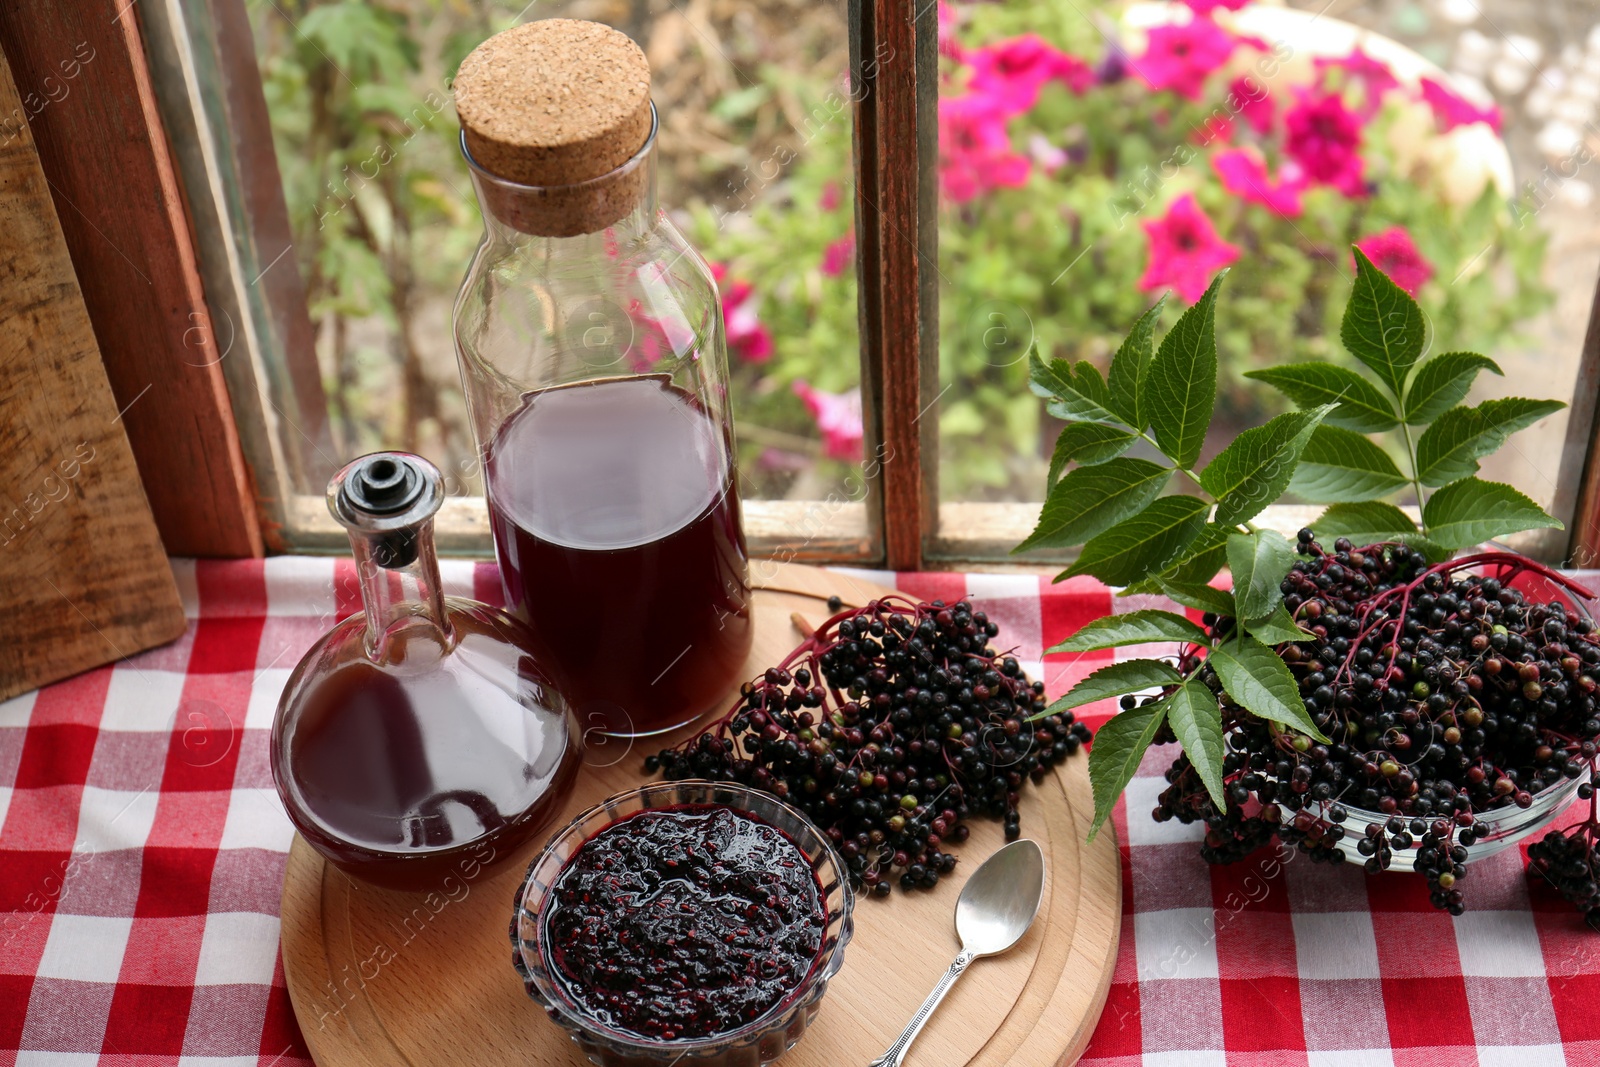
pixel 821 531
pixel 800 531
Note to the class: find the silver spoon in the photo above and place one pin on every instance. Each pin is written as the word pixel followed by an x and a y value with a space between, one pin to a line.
pixel 996 908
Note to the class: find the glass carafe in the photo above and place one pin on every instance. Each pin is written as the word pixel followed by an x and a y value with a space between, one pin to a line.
pixel 418 740
pixel 596 377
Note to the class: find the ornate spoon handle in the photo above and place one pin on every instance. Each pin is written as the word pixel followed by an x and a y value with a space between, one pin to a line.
pixel 896 1053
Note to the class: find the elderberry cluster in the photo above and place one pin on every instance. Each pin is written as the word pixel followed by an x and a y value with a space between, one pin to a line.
pixel 1570 861
pixel 1446 694
pixel 889 727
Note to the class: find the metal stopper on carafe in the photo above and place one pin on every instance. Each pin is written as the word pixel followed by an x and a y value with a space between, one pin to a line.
pixel 385 497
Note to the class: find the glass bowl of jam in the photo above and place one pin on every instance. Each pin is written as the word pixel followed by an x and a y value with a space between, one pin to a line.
pixel 683 922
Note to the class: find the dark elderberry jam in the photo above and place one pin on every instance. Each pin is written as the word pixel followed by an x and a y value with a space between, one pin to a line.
pixel 684 922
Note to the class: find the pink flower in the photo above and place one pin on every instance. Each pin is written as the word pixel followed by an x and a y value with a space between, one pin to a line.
pixel 1244 174
pixel 1374 75
pixel 830 199
pixel 1252 100
pixel 1180 58
pixel 1206 7
pixel 1325 139
pixel 749 339
pixel 747 336
pixel 1451 110
pixel 1394 253
pixel 948 45
pixel 976 147
pixel 1185 250
pixel 839 255
pixel 838 418
pixel 1016 70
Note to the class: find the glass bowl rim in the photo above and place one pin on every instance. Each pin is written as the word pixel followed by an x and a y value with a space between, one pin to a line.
pixel 826 966
pixel 1495 817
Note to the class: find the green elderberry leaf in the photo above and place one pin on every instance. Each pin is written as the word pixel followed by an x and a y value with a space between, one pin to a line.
pixel 1200 562
pixel 1256 678
pixel 1114 756
pixel 1450 449
pixel 1441 383
pixel 1195 565
pixel 1088 443
pixel 1141 545
pixel 1128 367
pixel 1131 628
pixel 1179 388
pixel 1382 325
pixel 1258 561
pixel 1129 676
pixel 1092 499
pixel 1277 628
pixel 1470 511
pixel 1364 523
pixel 1371 522
pixel 1197 723
pixel 1257 466
pixel 1090 399
pixel 1339 465
pixel 1361 406
pixel 1199 597
pixel 1075 392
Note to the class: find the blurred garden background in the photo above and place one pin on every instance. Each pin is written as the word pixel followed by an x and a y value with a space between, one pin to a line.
pixel 1093 155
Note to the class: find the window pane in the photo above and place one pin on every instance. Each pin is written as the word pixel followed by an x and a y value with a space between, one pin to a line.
pixel 754 166
pixel 1096 154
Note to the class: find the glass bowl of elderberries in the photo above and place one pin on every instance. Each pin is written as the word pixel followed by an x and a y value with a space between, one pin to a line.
pixel 1459 703
pixel 889 726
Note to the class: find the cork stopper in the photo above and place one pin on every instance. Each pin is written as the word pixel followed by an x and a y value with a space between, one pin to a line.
pixel 557 104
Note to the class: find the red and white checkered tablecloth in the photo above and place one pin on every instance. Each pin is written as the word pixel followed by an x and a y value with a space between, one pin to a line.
pixel 142 850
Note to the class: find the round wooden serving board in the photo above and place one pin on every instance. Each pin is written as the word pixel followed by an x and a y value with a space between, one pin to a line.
pixel 386 978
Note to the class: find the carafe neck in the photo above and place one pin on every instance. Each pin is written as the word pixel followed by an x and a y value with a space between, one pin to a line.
pixel 507 209
pixel 387 501
pixel 400 594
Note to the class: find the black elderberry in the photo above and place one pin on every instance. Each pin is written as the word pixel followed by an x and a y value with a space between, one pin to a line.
pixel 937 726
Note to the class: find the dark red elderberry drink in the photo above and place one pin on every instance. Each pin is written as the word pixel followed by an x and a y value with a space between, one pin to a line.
pixel 408 774
pixel 616 523
pixel 684 923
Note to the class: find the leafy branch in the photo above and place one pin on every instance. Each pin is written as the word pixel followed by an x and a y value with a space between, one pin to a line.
pixel 1112 504
pixel 1134 534
pixel 1383 328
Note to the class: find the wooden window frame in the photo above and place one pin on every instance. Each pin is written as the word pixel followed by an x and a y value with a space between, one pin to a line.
pixel 178 274
pixel 82 73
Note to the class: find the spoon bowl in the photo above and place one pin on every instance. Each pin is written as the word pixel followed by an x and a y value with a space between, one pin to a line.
pixel 996 907
pixel 1000 900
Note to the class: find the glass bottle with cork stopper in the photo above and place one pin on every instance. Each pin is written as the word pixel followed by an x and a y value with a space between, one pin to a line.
pixel 418 739
pixel 591 345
